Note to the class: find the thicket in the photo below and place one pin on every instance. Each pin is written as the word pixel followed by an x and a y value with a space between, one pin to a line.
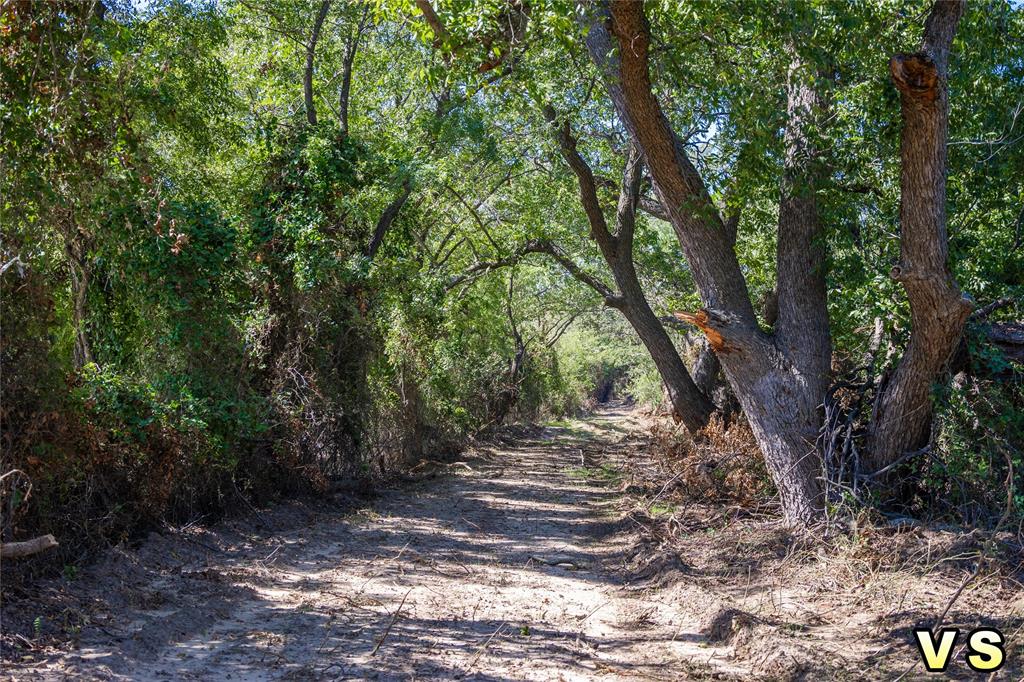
pixel 184 336
pixel 254 249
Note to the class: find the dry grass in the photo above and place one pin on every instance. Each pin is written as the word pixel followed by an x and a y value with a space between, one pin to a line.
pixel 720 464
pixel 797 606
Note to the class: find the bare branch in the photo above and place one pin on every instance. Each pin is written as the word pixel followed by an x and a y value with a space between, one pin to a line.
pixel 611 299
pixel 14 550
pixel 480 269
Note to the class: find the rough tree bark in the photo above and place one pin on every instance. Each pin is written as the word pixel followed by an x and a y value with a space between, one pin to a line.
pixel 1009 338
pixel 938 311
pixel 691 406
pixel 15 550
pixel 706 368
pixel 801 322
pixel 779 379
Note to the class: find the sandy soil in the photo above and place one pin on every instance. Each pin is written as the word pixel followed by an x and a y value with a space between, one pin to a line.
pixel 501 568
pixel 526 560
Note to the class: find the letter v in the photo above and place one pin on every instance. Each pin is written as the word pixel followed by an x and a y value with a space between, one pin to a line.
pixel 936 659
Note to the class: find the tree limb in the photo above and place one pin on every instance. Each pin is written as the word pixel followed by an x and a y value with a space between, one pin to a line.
pixel 693 216
pixel 653 207
pixel 611 299
pixel 938 310
pixel 307 76
pixel 588 187
pixel 476 216
pixel 482 268
pixel 998 304
pixel 388 217
pixel 351 47
pixel 10 264
pixel 434 21
pixel 15 550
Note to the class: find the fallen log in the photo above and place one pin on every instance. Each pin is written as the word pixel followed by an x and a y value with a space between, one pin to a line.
pixel 14 550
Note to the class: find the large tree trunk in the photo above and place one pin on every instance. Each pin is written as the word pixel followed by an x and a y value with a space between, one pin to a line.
pixel 782 407
pixel 938 311
pixel 689 404
pixel 801 323
pixel 779 381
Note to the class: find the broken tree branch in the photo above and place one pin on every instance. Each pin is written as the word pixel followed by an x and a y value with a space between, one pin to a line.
pixel 15 550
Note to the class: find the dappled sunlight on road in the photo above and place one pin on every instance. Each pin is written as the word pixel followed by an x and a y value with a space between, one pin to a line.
pixel 501 567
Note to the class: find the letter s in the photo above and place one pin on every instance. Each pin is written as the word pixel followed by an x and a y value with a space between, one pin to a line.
pixel 986 645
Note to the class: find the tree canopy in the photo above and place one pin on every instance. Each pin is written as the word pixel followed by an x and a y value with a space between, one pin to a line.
pixel 259 246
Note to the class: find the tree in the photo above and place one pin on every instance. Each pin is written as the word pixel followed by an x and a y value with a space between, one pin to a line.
pixel 689 403
pixel 780 378
pixel 903 412
pixel 254 246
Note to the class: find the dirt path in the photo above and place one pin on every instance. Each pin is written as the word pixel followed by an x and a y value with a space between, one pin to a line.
pixel 560 554
pixel 503 567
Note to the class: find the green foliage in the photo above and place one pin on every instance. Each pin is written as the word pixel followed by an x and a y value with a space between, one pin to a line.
pixel 606 354
pixel 980 441
pixel 195 314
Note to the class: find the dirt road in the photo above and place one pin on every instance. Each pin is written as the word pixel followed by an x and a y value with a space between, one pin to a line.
pixel 502 567
pixel 553 554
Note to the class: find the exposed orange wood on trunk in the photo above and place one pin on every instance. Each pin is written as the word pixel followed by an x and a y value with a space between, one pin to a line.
pixel 702 321
pixel 915 75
